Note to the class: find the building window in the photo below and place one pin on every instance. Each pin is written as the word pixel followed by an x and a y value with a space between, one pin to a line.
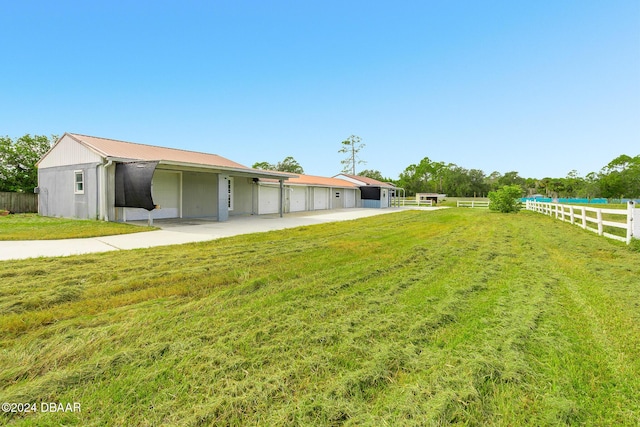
pixel 78 182
pixel 230 193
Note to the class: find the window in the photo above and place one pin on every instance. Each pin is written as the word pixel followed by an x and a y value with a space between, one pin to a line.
pixel 78 182
pixel 230 193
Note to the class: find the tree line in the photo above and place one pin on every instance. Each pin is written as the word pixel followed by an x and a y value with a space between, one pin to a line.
pixel 620 178
pixel 18 158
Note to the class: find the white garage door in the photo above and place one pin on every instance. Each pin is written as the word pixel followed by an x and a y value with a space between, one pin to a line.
pixel 320 198
pixel 269 200
pixel 165 190
pixel 297 199
pixel 349 198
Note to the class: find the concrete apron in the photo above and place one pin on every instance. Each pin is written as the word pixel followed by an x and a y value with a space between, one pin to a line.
pixel 180 231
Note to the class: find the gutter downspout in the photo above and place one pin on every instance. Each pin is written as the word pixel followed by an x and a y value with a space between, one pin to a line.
pixel 98 192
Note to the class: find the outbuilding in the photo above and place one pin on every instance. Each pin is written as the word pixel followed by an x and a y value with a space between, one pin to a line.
pixel 373 193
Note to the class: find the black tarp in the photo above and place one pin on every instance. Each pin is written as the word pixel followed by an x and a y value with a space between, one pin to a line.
pixel 370 193
pixel 133 185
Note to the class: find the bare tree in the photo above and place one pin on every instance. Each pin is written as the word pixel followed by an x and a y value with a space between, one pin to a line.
pixel 352 147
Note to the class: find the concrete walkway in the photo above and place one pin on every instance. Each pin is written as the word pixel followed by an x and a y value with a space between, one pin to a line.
pixel 181 231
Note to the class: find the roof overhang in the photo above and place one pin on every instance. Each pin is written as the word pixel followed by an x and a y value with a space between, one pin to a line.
pixel 195 167
pixel 302 184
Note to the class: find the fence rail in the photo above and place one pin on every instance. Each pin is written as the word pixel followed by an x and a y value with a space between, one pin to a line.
pixel 626 219
pixel 19 202
pixel 472 204
pixel 411 201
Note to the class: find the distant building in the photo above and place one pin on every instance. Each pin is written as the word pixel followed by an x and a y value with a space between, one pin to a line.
pixel 433 197
pixel 374 193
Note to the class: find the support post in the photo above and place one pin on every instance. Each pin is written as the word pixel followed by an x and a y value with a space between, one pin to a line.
pixel 223 197
pixel 281 197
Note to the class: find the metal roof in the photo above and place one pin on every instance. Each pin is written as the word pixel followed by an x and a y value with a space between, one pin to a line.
pixel 319 181
pixel 367 181
pixel 126 151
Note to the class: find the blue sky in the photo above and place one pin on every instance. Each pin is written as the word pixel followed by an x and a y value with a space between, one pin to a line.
pixel 539 87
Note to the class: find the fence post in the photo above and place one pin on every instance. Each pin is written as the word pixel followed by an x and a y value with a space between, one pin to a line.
pixel 599 218
pixel 633 221
pixel 584 218
pixel 572 215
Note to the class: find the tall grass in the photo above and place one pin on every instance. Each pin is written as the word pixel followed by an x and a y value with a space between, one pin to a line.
pixel 418 318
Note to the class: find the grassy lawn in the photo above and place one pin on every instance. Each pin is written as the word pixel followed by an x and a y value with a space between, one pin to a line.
pixel 457 316
pixel 35 227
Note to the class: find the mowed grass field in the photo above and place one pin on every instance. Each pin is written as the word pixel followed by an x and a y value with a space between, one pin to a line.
pixel 450 317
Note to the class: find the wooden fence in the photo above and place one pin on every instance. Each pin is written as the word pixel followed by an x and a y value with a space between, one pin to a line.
pixel 19 202
pixel 626 219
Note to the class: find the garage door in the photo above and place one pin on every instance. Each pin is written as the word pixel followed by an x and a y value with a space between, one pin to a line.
pixel 349 198
pixel 297 199
pixel 269 200
pixel 320 198
pixel 165 190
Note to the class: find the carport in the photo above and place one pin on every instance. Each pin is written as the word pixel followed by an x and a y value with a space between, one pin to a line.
pixel 192 191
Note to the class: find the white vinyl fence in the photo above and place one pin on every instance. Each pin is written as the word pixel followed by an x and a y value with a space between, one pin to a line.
pixel 627 219
pixel 473 203
pixel 411 201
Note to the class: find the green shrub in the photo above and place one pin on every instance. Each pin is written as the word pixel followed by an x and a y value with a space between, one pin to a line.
pixel 506 199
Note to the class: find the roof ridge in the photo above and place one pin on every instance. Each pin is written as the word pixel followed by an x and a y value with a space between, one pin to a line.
pixel 146 145
pixel 318 176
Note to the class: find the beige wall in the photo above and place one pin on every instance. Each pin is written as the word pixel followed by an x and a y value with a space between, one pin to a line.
pixel 199 195
pixel 68 152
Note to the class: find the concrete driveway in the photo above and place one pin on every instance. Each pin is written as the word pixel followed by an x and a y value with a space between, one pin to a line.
pixel 179 231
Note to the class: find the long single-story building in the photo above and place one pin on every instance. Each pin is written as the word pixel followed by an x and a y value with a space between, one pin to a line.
pixel 98 178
